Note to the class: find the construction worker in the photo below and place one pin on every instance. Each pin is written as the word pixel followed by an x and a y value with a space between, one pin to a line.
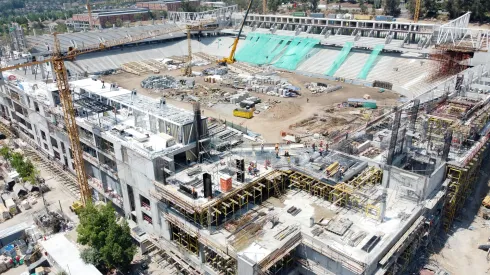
pixel 262 147
pixel 314 147
pixel 321 151
pixel 103 84
pixel 321 143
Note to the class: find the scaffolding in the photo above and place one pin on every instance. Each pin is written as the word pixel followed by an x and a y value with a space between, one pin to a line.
pixel 461 183
pixel 350 194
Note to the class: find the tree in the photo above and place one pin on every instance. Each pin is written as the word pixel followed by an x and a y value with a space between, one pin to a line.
pixel 430 8
pixel 5 152
pixel 452 8
pixel 363 7
pixel 119 22
pixel 273 5
pixel 187 6
pixel 478 11
pixel 138 17
pixel 91 256
pixel 108 24
pixel 314 5
pixel 61 28
pixel 392 7
pixel 99 229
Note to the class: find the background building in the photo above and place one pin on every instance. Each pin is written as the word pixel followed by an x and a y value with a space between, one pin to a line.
pixel 103 19
pixel 166 5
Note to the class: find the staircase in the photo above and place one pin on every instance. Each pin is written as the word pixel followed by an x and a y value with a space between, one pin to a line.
pixel 339 60
pixel 368 65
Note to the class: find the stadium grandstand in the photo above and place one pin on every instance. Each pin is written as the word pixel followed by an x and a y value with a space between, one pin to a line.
pixel 392 55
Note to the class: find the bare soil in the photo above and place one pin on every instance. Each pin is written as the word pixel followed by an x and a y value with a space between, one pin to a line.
pixel 280 116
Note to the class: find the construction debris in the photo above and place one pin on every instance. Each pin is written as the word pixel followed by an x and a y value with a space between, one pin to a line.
pixel 159 82
pixel 317 87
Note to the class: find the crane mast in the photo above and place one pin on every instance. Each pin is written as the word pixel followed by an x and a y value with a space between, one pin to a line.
pixel 89 12
pixel 57 59
pixel 417 11
pixel 70 122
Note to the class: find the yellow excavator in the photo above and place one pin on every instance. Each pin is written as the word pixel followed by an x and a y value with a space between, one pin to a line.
pixel 231 59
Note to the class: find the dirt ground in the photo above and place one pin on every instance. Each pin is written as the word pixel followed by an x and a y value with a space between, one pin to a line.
pixel 457 252
pixel 276 119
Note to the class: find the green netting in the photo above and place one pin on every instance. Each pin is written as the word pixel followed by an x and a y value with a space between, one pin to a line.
pixel 369 63
pixel 261 48
pixel 295 53
pixel 339 60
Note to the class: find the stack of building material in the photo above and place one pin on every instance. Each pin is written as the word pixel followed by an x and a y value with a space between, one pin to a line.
pixel 239 97
pixel 159 82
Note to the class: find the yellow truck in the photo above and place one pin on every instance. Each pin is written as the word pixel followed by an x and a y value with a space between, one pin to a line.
pixel 245 113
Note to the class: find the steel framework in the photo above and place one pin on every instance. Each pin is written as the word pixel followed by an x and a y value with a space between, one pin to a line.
pixel 457 34
pixel 221 15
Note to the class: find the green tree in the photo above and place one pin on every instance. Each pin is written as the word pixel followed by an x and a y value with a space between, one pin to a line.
pixel 61 28
pixel 99 229
pixel 138 17
pixel 430 8
pixel 187 6
pixel 273 5
pixel 91 256
pixel 392 7
pixel 452 8
pixel 314 5
pixel 478 11
pixel 363 7
pixel 119 22
pixel 108 24
pixel 5 152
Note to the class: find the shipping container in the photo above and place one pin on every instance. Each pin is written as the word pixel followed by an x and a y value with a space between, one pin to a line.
pixel 363 17
pixel 331 15
pixel 299 14
pixel 243 113
pixel 317 15
pixel 380 18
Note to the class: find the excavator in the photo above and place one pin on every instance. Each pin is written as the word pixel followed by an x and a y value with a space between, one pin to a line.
pixel 231 58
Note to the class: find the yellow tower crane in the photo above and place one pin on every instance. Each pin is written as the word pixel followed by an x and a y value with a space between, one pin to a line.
pixel 417 11
pixel 89 12
pixel 231 58
pixel 58 58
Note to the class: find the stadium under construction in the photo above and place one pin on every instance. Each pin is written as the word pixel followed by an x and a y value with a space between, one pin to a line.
pixel 365 203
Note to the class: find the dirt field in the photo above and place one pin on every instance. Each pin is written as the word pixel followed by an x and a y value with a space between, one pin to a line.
pixel 280 116
pixel 457 252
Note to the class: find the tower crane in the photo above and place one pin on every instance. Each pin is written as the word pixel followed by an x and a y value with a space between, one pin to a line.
pixel 231 58
pixel 416 13
pixel 89 12
pixel 58 61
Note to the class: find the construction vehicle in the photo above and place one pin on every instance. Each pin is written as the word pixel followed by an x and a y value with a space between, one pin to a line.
pixel 231 59
pixel 76 207
pixel 61 74
pixel 245 113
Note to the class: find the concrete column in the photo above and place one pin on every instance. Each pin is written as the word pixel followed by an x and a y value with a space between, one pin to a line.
pixel 202 256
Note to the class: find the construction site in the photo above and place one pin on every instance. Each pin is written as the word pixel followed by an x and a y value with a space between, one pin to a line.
pixel 317 146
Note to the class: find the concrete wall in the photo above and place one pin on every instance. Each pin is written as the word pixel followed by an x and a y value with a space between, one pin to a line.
pixel 323 261
pixel 435 181
pixel 407 185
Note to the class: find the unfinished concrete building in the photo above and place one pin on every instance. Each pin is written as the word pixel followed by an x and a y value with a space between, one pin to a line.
pixel 365 204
